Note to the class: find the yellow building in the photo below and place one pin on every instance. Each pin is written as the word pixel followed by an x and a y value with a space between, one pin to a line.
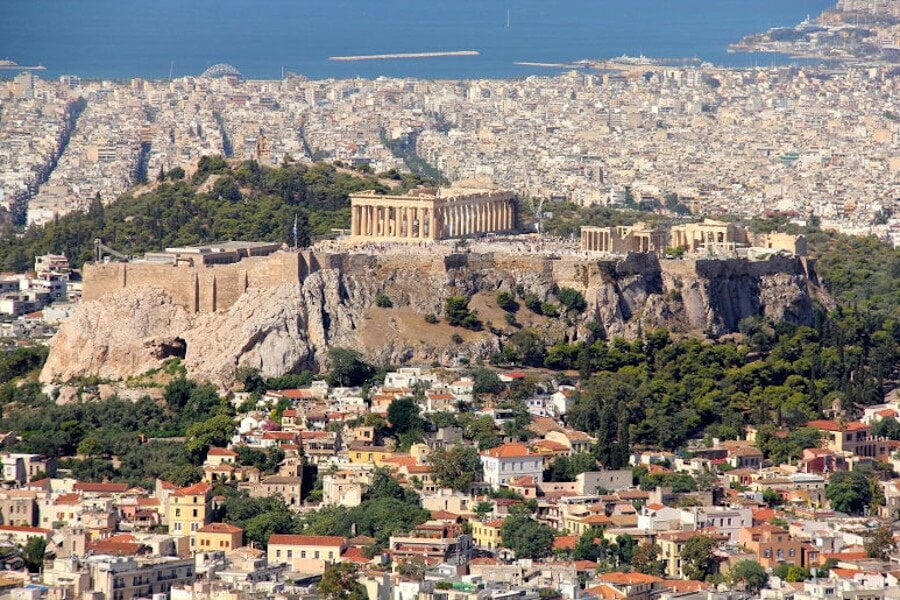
pixel 580 522
pixel 366 454
pixel 487 535
pixel 218 536
pixel 190 508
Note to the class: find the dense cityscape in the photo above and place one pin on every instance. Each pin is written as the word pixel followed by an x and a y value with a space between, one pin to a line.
pixel 625 330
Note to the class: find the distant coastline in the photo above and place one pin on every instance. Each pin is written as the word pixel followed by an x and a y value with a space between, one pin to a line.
pixel 404 55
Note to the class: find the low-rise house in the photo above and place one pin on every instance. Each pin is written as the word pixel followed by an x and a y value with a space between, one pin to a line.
pixel 289 488
pixel 511 461
pixel 306 554
pixel 853 437
pixel 358 453
pixel 577 442
pixel 631 586
pixel 220 537
pixel 219 456
pixel 771 545
pixel 486 534
pixel 434 542
pixel 19 507
pixel 671 544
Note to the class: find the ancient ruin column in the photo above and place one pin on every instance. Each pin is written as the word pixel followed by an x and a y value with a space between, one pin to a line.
pixel 420 217
pixel 431 231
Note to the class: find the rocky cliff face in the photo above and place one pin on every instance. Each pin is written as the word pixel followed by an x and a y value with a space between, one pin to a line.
pixel 283 328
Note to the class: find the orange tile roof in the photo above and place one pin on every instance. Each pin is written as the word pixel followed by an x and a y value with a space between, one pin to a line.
pixel 23 529
pixel 620 578
pixel 514 450
pixel 827 425
pixel 307 540
pixel 606 592
pixel 221 452
pixel 67 499
pixel 355 555
pixel 198 489
pixel 681 586
pixel 220 528
pixel 565 542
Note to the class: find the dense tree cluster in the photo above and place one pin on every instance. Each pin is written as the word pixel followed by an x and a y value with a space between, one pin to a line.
pixel 250 202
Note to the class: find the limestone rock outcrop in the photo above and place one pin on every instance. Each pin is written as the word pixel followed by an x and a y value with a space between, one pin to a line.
pixel 286 327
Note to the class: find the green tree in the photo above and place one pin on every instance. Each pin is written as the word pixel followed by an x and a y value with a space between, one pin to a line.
pixel 646 560
pixel 793 573
pixel 251 380
pixel 507 302
pixel 697 558
pixel 749 573
pixel 483 509
pixel 403 414
pixel 456 468
pixel 456 310
pixel 347 367
pixel 184 475
pixel 486 381
pixel 33 553
pixel 849 492
pixel 880 544
pixel 382 300
pixel 526 537
pixel 216 431
pixel 340 582
pixel 572 299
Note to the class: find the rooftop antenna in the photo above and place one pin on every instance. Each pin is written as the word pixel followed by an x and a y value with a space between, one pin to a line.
pixel 171 68
pixel 282 71
pixel 507 18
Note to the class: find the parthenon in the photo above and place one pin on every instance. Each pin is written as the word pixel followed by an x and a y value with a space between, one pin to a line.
pixel 428 214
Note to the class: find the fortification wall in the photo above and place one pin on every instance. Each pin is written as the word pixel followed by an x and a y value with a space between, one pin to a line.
pixel 218 287
pixel 197 288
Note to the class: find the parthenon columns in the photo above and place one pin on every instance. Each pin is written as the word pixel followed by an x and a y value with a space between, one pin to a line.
pixel 432 216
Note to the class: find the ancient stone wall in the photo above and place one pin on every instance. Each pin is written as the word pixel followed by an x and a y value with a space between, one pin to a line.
pixel 198 288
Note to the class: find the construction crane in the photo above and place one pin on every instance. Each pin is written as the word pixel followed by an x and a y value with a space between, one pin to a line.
pixel 100 249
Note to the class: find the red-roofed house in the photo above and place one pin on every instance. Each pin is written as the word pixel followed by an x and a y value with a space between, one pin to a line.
pixel 511 461
pixel 634 586
pixel 854 437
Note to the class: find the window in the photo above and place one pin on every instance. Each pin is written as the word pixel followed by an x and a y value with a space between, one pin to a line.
pixel 278 554
pixel 177 512
pixel 177 526
pixel 303 554
pixel 316 554
pixel 290 554
pixel 195 512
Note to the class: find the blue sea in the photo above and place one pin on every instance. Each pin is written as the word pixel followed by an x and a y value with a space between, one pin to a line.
pixel 118 39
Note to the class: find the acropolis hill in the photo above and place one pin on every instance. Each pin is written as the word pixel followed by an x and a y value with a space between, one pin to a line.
pixel 223 306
